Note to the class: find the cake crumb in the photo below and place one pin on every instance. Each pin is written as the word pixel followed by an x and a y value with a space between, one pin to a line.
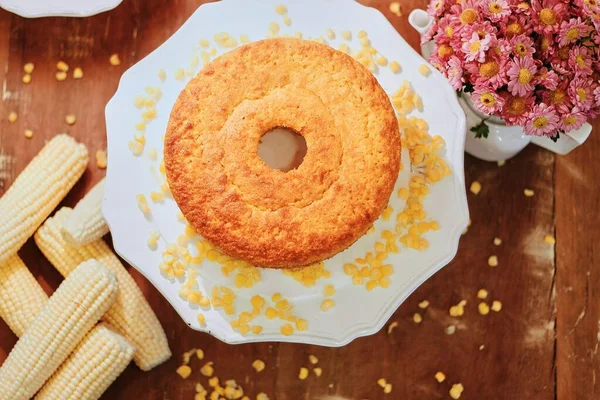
pixel 450 330
pixel 391 327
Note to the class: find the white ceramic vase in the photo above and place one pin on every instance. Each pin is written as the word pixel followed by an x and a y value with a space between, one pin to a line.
pixel 503 141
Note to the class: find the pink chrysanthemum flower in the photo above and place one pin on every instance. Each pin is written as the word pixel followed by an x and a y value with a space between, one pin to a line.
pixel 495 10
pixel 487 101
pixel 546 45
pixel 447 29
pixel 436 8
pixel 521 75
pixel 476 47
pixel 581 92
pixel 482 28
pixel 597 94
pixel 560 61
pixel 516 25
pixel 548 15
pixel 547 78
pixel 573 30
pixel 522 46
pixel 580 60
pixel 570 119
pixel 490 73
pixel 454 72
pixel 542 121
pixel 516 108
pixel 557 97
pixel 467 11
pixel 520 7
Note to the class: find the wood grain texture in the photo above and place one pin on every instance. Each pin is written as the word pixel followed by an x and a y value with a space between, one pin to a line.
pixel 542 345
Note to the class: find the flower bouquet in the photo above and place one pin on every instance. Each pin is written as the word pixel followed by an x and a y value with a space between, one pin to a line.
pixel 533 64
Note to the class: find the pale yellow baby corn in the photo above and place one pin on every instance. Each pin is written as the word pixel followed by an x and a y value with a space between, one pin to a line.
pixel 94 365
pixel 38 190
pixel 21 296
pixel 131 314
pixel 68 316
pixel 86 223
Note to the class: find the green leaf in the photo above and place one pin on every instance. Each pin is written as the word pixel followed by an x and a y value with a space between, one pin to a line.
pixel 481 130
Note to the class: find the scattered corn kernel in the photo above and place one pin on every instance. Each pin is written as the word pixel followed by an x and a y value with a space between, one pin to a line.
pixel 143 204
pixel 28 133
pixel 496 306
pixel 157 197
pixel 387 389
pixel 391 327
pixel 274 28
pixel 329 290
pixel 77 73
pixel 201 319
pixel 26 79
pixel 244 38
pixel 497 241
pixel 301 324
pixel 179 74
pixel 101 159
pixel 184 371
pixel 313 359
pixel 483 308
pixel 327 305
pixel 550 239
pixel 62 66
pixel 424 70
pixel 395 8
pixel 381 382
pixel 114 60
pixel 303 374
pixel 475 187
pixel 287 329
pixel 258 365
pixel 528 192
pixel 395 67
pixel 330 34
pixel 501 163
pixel 61 76
pixel 318 371
pixel 440 376
pixel 153 239
pixel 493 261
pixel 28 68
pixel 481 347
pixel 424 304
pixel 346 35
pixel 450 329
pixel 482 294
pixel 12 117
pixel 207 370
pixel 70 119
pixel 456 391
pixel 287 21
pixel 281 9
pixel 262 396
pixel 417 318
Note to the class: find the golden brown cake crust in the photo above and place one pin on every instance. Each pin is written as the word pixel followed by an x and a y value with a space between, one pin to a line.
pixel 265 216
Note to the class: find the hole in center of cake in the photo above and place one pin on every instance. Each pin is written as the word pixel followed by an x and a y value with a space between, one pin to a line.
pixel 282 149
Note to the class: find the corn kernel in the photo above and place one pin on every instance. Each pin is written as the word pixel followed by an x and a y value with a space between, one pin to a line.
pixel 372 284
pixel 213 382
pixel 395 8
pixel 391 327
pixel 157 197
pixel 244 38
pixel 301 324
pixel 440 376
pixel 303 374
pixel 61 76
pixel 329 290
pixel 424 70
pixel 417 318
pixel 28 68
pixel 387 388
pixel 395 67
pixel 201 319
pixel 456 391
pixel 496 306
pixel 257 329
pixel 28 133
pixel 200 354
pixel 346 35
pixel 77 73
pixel 142 203
pixel 528 192
pixel 493 261
pixel 26 79
pixel 207 370
pixel 274 28
pixel 70 119
pixel 327 305
pixel 381 382
pixel 424 304
pixel 12 117
pixel 281 9
pixel 497 241
pixel 330 34
pixel 184 371
pixel 450 330
pixel 262 396
pixel 258 365
pixel 475 187
pixel 114 60
pixel 483 308
pixel 101 159
pixel 62 66
pixel 287 21
pixel 153 239
pixel 179 74
pixel 482 294
pixel 550 239
pixel 313 359
pixel 318 371
pixel 287 329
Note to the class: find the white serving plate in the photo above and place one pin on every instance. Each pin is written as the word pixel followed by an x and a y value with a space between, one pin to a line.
pixel 58 8
pixel 357 312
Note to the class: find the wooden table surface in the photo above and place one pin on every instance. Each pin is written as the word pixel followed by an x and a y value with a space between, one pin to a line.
pixel 542 345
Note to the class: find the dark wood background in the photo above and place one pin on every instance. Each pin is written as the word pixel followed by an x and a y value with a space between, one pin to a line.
pixel 542 345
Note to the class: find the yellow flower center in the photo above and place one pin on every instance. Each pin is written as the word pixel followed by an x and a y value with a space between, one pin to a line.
pixel 487 99
pixel 545 43
pixel 445 51
pixel 524 76
pixel 489 69
pixel 557 96
pixel 468 16
pixel 582 94
pixel 523 5
pixel 515 105
pixel 580 61
pixel 572 34
pixel 495 8
pixel 548 16
pixel 570 120
pixel 521 49
pixel 449 31
pixel 563 53
pixel 514 29
pixel 540 122
pixel 475 46
pixel 592 3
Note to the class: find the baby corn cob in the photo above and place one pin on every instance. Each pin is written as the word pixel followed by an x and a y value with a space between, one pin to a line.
pixel 94 365
pixel 86 223
pixel 38 190
pixel 131 314
pixel 21 296
pixel 68 316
